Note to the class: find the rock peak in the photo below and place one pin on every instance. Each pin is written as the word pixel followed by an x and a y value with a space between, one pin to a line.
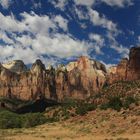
pixel 128 69
pixel 38 66
pixel 16 66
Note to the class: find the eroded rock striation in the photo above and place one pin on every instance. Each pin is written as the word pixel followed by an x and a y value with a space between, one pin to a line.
pixel 78 81
pixel 16 66
pixel 133 68
pixel 86 76
pixel 127 69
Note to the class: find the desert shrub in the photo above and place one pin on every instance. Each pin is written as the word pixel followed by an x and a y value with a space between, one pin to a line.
pixel 32 119
pixel 9 120
pixel 69 103
pixel 82 109
pixel 114 103
pixel 129 100
pixel 12 120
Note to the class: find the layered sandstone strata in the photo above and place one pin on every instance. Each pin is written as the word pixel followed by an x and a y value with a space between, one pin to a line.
pixel 133 69
pixel 79 81
pixel 127 69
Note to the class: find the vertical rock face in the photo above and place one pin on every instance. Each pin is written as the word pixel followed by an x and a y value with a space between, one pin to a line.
pixel 80 80
pixel 127 69
pixel 122 68
pixel 87 77
pixel 133 69
pixel 119 72
pixel 16 66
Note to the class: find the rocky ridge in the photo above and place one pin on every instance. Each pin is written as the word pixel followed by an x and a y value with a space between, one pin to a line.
pixel 79 79
pixel 16 82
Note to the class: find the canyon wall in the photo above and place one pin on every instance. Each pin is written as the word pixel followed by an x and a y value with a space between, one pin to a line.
pixel 78 79
pixel 127 69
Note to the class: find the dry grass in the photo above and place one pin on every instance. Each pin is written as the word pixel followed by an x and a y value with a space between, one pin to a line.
pixel 96 125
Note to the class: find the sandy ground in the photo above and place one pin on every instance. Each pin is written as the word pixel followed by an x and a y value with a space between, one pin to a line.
pixel 96 125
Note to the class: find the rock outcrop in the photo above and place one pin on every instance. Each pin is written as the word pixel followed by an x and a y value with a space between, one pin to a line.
pixel 133 69
pixel 79 81
pixel 127 70
pixel 86 76
pixel 16 66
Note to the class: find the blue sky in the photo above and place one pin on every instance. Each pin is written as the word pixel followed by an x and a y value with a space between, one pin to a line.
pixel 59 31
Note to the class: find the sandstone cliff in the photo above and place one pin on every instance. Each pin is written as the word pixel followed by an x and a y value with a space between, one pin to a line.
pixel 79 81
pixel 86 76
pixel 16 66
pixel 133 69
pixel 127 69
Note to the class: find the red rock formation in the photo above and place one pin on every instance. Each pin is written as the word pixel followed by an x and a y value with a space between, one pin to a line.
pixel 133 69
pixel 127 69
pixel 119 72
pixel 81 81
pixel 87 77
pixel 16 66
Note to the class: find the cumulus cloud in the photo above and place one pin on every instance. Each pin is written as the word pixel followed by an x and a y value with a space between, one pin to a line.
pixel 41 38
pixel 37 36
pixel 98 41
pixel 5 38
pixel 139 38
pixel 118 3
pixel 59 3
pixel 5 3
pixel 98 38
pixel 98 20
pixel 85 2
pixel 124 51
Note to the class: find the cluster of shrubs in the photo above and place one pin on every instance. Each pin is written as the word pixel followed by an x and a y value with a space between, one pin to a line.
pixel 12 120
pixel 62 112
pixel 69 109
pixel 117 103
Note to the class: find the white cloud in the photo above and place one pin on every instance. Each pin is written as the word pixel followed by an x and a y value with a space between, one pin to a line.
pixel 42 37
pixel 5 3
pixel 62 23
pixel 85 2
pixel 59 3
pixel 37 5
pixel 118 3
pixel 98 20
pixel 5 38
pixel 139 38
pixel 98 41
pixel 38 41
pixel 116 46
pixel 98 38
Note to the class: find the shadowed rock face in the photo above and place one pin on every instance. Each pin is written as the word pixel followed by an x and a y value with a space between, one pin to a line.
pixel 86 77
pixel 133 69
pixel 79 79
pixel 37 83
pixel 127 69
pixel 119 72
pixel 16 66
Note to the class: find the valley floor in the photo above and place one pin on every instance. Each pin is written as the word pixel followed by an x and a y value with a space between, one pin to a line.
pixel 96 125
